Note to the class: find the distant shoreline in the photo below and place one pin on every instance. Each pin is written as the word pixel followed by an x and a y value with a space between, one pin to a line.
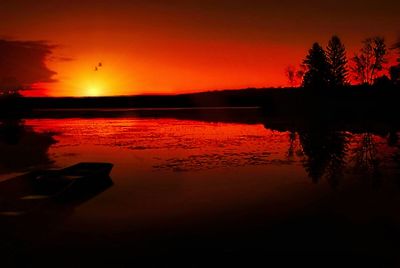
pixel 352 101
pixel 146 109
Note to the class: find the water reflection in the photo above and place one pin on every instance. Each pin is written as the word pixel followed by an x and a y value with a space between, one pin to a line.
pixel 212 139
pixel 325 154
pixel 22 147
pixel 187 178
pixel 330 150
pixel 366 158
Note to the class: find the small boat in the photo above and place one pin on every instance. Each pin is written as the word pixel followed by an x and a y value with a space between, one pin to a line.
pixel 42 189
pixel 72 181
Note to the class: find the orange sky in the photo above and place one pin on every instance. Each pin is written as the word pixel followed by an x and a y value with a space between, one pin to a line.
pixel 179 46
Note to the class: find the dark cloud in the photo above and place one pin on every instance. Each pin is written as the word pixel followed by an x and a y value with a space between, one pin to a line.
pixel 22 63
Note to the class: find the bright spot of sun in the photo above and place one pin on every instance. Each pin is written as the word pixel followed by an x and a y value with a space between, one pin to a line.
pixel 94 91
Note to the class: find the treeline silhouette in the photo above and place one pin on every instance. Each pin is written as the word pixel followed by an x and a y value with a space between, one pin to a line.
pixel 330 68
pixel 329 85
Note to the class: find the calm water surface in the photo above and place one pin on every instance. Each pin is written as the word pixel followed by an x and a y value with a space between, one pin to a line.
pixel 186 178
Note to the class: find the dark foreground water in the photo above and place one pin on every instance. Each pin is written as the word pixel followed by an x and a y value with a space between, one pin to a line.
pixel 207 191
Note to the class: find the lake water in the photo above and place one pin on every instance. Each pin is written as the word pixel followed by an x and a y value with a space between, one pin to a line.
pixel 183 182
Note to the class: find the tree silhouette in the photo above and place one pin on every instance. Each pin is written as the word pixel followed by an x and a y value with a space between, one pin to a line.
pixel 336 53
pixel 318 75
pixel 370 61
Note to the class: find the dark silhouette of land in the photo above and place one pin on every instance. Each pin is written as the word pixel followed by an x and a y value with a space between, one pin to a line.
pixel 347 101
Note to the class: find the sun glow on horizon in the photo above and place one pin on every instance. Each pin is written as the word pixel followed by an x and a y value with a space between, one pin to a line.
pixel 94 91
pixel 88 79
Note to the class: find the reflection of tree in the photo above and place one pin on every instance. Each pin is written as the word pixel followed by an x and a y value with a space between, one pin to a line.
pixel 22 148
pixel 295 149
pixel 366 160
pixel 339 146
pixel 328 150
pixel 325 154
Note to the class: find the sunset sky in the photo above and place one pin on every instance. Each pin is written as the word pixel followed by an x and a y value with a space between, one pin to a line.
pixel 177 46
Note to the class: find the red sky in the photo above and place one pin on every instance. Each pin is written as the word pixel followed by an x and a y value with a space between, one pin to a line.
pixel 176 46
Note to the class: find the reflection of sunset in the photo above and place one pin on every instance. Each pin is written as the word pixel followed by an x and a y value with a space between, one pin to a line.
pixel 184 145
